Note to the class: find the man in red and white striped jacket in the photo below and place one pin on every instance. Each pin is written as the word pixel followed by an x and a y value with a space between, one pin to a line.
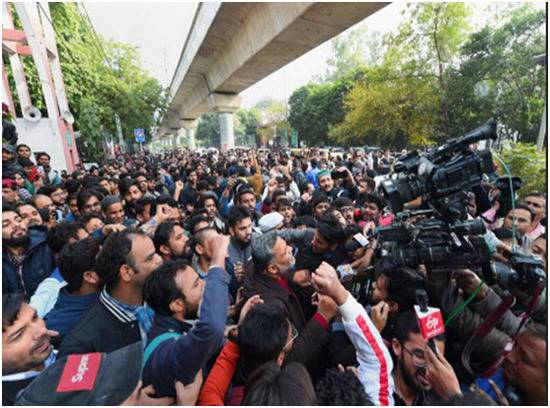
pixel 375 363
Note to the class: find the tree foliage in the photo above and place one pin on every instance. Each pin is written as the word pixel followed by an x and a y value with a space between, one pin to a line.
pixel 316 108
pixel 499 76
pixel 436 79
pixel 208 130
pixel 525 161
pixel 100 80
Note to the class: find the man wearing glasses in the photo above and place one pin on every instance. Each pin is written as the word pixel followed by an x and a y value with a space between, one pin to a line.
pixel 412 385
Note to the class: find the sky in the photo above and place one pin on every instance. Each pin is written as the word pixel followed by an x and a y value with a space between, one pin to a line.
pixel 159 30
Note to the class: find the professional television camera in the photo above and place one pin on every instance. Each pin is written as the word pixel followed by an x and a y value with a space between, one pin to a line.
pixel 443 176
pixel 524 273
pixel 434 243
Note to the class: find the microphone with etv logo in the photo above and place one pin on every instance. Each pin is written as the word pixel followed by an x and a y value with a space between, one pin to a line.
pixel 430 320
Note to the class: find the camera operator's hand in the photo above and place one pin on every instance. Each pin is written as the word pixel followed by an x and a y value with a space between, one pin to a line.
pixel 325 281
pixel 441 375
pixel 379 315
pixel 468 281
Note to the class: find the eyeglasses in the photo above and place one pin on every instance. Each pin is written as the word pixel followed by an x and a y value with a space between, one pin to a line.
pixel 293 335
pixel 417 354
pixel 91 206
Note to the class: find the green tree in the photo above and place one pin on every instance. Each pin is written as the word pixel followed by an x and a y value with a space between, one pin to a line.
pixel 402 101
pixel 97 82
pixel 208 130
pixel 525 161
pixel 499 77
pixel 316 108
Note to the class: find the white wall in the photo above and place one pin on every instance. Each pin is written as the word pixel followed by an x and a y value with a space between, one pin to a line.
pixel 41 138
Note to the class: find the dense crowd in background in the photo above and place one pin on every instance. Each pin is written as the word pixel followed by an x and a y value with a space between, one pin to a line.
pixel 250 277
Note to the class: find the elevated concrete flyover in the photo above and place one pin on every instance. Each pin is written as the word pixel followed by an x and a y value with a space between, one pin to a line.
pixel 231 46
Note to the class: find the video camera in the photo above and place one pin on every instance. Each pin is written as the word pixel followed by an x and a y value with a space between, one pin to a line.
pixel 523 275
pixel 506 195
pixel 434 243
pixel 442 176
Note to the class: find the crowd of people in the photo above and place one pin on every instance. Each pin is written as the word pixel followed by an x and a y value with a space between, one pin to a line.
pixel 247 278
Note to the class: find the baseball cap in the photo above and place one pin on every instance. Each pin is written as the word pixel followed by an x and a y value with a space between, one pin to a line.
pixel 8 147
pixel 87 379
pixel 270 221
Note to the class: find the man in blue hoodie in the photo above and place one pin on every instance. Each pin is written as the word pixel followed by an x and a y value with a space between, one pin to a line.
pixel 178 349
pixel 77 266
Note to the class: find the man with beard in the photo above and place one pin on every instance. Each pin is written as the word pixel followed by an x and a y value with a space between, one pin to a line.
pixel 26 348
pixel 29 215
pixel 44 202
pixel 10 166
pixel 171 241
pixel 58 195
pixel 120 317
pixel 246 197
pixel 26 257
pixel 525 367
pixel 175 291
pixel 240 229
pixel 273 260
pixel 412 385
pixel 209 201
pixel 43 160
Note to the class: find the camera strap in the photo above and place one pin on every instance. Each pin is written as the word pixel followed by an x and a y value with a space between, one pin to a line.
pixel 490 323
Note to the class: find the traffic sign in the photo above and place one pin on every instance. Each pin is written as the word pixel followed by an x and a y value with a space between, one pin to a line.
pixel 139 134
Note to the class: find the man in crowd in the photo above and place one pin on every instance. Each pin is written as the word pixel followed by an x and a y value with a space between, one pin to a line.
pixel 77 267
pixel 26 348
pixel 240 228
pixel 273 259
pixel 174 291
pixel 316 290
pixel 171 241
pixel 120 317
pixel 537 203
pixel 26 257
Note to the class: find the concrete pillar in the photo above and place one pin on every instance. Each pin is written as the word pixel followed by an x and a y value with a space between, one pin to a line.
pixel 225 105
pixel 190 126
pixel 227 135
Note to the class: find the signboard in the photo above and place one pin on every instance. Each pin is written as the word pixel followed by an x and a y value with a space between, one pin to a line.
pixel 293 138
pixel 283 137
pixel 139 135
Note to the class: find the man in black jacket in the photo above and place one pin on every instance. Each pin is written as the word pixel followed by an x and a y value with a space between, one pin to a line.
pixel 120 317
pixel 273 259
pixel 26 257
